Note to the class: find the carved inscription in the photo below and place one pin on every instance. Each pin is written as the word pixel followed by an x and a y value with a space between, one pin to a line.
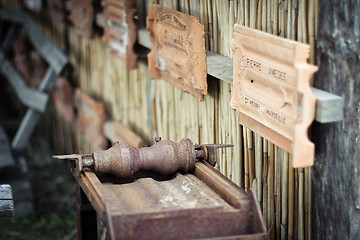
pixel 271 90
pixel 120 30
pixel 178 51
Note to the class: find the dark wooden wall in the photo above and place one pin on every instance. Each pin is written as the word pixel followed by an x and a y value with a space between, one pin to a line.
pixel 336 174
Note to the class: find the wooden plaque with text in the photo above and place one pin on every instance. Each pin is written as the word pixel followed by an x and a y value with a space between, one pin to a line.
pixel 178 50
pixel 271 90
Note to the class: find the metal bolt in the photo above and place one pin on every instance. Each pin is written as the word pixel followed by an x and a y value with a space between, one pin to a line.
pixel 157 139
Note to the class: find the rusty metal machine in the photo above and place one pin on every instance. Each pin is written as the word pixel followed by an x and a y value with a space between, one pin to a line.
pixel 164 157
pixel 166 191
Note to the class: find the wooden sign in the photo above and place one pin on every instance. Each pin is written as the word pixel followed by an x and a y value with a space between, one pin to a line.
pixel 82 16
pixel 271 90
pixel 120 30
pixel 178 50
pixel 91 117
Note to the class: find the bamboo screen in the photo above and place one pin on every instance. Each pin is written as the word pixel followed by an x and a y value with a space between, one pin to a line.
pixel 155 108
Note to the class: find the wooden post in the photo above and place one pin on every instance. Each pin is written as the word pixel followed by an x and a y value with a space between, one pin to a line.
pixel 336 173
pixel 86 216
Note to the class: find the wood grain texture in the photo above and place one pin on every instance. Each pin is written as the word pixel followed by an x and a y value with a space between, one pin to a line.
pixel 336 176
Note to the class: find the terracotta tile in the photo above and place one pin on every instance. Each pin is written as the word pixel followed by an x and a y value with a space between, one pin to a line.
pixel 91 118
pixel 82 16
pixel 178 50
pixel 120 30
pixel 271 90
pixel 62 96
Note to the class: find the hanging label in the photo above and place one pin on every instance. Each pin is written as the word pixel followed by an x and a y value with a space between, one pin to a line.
pixel 120 30
pixel 178 50
pixel 271 90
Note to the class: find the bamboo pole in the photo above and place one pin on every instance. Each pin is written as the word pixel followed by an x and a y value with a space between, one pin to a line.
pixel 278 160
pixel 284 194
pixel 246 159
pixel 272 198
pixel 301 234
pixel 250 155
pixel 291 201
pixel 258 166
pixel 307 202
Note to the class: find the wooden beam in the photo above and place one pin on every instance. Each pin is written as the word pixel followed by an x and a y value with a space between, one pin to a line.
pixel 336 173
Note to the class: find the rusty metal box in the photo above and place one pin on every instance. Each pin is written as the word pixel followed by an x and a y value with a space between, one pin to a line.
pixel 200 205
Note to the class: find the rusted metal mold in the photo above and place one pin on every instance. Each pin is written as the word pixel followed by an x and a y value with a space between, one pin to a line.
pixel 178 50
pixel 116 131
pixel 197 203
pixel 91 118
pixel 56 10
pixel 82 16
pixel 34 5
pixel 62 96
pixel 120 30
pixel 164 157
pixel 187 206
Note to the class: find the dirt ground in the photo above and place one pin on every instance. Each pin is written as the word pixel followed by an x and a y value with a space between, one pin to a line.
pixel 53 187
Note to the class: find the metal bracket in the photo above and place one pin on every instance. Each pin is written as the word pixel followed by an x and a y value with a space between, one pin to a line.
pixel 210 154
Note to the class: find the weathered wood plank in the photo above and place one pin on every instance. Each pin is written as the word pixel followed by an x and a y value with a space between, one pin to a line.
pixel 336 173
pixel 6 201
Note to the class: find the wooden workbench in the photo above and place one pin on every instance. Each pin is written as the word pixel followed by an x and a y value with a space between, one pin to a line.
pixel 203 204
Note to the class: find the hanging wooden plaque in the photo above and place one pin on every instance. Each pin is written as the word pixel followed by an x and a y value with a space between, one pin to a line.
pixel 178 50
pixel 91 117
pixel 82 16
pixel 120 30
pixel 271 90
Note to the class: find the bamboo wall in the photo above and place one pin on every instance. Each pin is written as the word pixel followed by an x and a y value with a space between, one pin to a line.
pixel 155 108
